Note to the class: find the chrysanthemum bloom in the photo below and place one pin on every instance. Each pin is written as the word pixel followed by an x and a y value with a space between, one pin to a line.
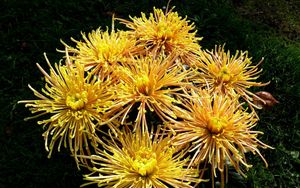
pixel 100 51
pixel 150 84
pixel 217 130
pixel 167 32
pixel 230 75
pixel 140 161
pixel 74 103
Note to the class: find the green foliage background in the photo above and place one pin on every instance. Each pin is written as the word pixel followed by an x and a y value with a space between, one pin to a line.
pixel 269 29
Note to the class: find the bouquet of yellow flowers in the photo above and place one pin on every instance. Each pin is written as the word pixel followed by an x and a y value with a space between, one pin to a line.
pixel 148 107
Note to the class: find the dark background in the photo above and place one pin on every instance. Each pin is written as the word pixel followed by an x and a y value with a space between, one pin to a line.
pixel 269 29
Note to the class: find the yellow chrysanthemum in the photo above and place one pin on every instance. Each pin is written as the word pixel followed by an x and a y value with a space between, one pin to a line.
pixel 151 84
pixel 75 104
pixel 217 130
pixel 230 75
pixel 140 161
pixel 166 32
pixel 100 51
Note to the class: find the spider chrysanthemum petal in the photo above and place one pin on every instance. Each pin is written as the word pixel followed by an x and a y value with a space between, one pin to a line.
pixel 151 85
pixel 217 130
pixel 140 161
pixel 229 74
pixel 101 51
pixel 74 102
pixel 165 32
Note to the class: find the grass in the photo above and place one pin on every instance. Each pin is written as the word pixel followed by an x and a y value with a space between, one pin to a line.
pixel 29 28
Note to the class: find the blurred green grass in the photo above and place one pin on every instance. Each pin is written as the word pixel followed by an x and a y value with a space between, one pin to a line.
pixel 29 28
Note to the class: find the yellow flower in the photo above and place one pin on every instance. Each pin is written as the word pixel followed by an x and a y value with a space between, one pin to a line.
pixel 100 51
pixel 75 104
pixel 230 75
pixel 150 84
pixel 140 161
pixel 217 130
pixel 165 32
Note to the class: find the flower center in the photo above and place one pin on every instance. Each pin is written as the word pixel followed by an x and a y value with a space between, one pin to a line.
pixel 142 84
pixel 224 75
pixel 216 125
pixel 163 31
pixel 77 101
pixel 145 162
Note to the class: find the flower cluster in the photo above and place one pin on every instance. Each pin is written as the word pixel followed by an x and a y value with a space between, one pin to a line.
pixel 148 107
